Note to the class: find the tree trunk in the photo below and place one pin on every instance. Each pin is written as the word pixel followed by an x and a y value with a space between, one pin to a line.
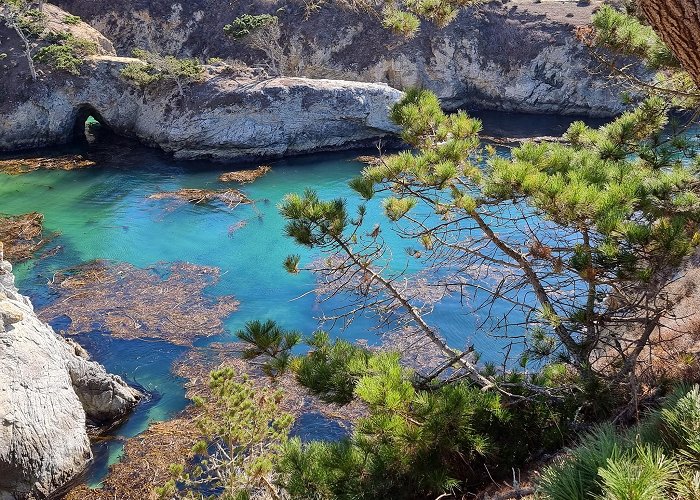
pixel 677 22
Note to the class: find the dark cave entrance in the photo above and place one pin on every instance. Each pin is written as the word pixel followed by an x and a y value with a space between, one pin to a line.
pixel 89 125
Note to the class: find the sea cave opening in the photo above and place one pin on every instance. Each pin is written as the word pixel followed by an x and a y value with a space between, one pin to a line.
pixel 89 125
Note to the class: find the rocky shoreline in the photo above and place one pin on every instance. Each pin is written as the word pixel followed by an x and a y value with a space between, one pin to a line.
pixel 507 55
pixel 228 114
pixel 238 112
pixel 49 392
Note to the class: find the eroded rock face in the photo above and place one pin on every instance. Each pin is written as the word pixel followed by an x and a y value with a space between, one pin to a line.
pixel 48 390
pixel 227 115
pixel 511 55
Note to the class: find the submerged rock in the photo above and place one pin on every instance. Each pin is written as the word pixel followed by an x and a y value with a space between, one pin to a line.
pixel 49 390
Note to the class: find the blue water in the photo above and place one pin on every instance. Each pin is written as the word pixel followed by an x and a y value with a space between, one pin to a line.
pixel 103 212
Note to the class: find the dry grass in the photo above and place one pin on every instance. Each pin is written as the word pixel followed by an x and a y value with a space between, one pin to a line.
pixel 245 176
pixel 230 197
pixel 25 165
pixel 165 301
pixel 22 235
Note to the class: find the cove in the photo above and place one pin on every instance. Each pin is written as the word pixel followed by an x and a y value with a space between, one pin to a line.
pixel 103 212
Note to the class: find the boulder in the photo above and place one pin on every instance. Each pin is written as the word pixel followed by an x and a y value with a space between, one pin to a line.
pixel 48 392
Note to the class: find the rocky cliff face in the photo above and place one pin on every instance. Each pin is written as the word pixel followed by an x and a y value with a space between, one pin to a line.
pixel 230 114
pixel 48 390
pixel 515 55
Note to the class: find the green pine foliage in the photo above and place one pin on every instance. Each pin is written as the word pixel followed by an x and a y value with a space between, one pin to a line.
pixel 623 189
pixel 244 433
pixel 412 442
pixel 621 33
pixel 331 370
pixel 247 24
pixel 268 341
pixel 626 34
pixel 656 460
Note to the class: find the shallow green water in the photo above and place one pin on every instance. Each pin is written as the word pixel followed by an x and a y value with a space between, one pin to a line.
pixel 103 213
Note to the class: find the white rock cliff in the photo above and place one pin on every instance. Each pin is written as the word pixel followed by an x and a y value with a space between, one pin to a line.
pixel 48 390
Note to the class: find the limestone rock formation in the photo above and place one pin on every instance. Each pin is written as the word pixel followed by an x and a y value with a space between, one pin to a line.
pixel 48 390
pixel 226 115
pixel 510 55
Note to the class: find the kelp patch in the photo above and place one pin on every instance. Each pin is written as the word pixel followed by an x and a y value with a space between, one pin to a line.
pixel 245 176
pixel 18 166
pixel 230 197
pixel 22 235
pixel 166 301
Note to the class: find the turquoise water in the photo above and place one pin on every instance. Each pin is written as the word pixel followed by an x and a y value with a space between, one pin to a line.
pixel 104 213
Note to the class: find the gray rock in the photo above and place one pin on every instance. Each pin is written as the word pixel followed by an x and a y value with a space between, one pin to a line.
pixel 517 55
pixel 47 391
pixel 227 115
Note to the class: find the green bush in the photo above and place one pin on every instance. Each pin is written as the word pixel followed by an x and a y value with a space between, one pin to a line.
pixel 332 370
pixel 657 460
pixel 416 438
pixel 140 74
pixel 412 442
pixel 246 24
pixel 67 53
pixel 155 68
pixel 71 19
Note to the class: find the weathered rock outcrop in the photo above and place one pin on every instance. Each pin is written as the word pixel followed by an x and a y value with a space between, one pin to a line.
pixel 512 55
pixel 48 390
pixel 227 115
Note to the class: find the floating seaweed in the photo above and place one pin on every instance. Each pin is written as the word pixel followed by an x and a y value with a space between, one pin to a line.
pixel 369 160
pixel 245 176
pixel 18 166
pixel 22 235
pixel 231 197
pixel 166 301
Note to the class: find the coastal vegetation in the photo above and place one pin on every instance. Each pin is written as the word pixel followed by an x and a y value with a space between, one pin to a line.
pixel 65 52
pixel 59 50
pixel 573 253
pixel 580 239
pixel 156 68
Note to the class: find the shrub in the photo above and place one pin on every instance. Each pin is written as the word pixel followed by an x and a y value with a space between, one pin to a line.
pixel 71 19
pixel 243 432
pixel 412 443
pixel 332 370
pixel 67 53
pixel 248 23
pixel 658 459
pixel 140 74
pixel 156 68
pixel 401 22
